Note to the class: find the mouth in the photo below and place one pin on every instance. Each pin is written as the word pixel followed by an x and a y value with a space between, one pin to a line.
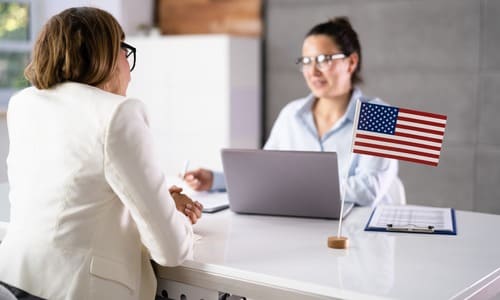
pixel 318 83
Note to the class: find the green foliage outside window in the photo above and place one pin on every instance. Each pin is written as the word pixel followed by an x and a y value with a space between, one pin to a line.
pixel 14 28
pixel 14 21
pixel 12 66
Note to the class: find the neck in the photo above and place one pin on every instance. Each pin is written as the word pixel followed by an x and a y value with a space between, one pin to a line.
pixel 332 108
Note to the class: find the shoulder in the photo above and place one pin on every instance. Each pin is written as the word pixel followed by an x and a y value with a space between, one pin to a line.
pixel 128 113
pixel 26 92
pixel 130 108
pixel 97 99
pixel 90 94
pixel 295 106
pixel 376 101
pixel 22 95
pixel 79 99
pixel 370 99
pixel 69 92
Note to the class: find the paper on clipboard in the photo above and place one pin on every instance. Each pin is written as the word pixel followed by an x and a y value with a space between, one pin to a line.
pixel 412 218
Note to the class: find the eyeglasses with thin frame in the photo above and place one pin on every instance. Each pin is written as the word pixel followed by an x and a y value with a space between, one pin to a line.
pixel 323 61
pixel 129 53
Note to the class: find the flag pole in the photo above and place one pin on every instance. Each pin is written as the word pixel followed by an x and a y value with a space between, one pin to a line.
pixel 339 241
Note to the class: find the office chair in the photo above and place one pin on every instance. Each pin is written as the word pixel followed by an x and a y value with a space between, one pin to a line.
pixel 397 192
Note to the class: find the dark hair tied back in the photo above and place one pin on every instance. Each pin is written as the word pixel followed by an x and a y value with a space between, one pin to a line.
pixel 340 30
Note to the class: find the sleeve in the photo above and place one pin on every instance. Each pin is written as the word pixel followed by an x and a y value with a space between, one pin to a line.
pixel 219 183
pixel 133 173
pixel 369 180
pixel 278 130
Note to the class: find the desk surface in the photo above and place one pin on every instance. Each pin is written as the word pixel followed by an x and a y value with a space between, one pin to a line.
pixel 263 256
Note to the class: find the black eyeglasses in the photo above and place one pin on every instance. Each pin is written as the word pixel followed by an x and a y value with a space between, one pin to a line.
pixel 129 50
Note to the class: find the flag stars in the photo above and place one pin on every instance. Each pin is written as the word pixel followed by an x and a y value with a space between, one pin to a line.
pixel 377 118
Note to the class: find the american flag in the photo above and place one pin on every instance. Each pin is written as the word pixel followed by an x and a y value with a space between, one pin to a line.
pixel 398 133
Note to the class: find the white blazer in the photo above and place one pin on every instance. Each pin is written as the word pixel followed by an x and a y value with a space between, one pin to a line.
pixel 89 204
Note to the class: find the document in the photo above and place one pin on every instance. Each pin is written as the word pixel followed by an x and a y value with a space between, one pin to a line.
pixel 212 201
pixel 411 218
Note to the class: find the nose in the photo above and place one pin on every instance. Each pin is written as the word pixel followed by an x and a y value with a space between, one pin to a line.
pixel 313 69
pixel 316 70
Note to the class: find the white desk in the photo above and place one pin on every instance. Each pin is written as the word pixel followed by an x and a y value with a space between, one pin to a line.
pixel 263 257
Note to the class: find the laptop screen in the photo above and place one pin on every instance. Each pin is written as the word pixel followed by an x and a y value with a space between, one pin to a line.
pixel 288 183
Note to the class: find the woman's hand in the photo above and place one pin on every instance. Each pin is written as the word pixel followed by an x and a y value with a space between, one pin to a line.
pixel 184 204
pixel 200 179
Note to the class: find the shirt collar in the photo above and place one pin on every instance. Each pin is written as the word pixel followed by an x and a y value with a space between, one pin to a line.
pixel 306 108
pixel 304 113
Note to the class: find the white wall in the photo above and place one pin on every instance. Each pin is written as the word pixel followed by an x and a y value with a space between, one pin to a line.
pixel 129 13
pixel 202 93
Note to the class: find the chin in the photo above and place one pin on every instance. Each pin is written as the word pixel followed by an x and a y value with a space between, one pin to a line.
pixel 319 93
pixel 328 93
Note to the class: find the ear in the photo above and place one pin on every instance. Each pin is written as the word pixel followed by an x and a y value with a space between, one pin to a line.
pixel 353 60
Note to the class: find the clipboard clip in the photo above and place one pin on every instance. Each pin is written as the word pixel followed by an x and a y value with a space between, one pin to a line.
pixel 410 228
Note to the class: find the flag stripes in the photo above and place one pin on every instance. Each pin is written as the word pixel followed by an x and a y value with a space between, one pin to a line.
pixel 399 133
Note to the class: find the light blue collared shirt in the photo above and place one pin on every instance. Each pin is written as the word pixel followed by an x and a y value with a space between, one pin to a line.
pixel 366 178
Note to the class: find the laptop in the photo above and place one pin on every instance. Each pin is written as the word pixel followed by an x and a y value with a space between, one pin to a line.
pixel 283 183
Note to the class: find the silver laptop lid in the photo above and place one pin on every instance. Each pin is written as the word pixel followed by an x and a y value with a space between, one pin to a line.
pixel 288 183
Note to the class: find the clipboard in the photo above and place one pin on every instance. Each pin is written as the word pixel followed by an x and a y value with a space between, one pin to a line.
pixel 412 219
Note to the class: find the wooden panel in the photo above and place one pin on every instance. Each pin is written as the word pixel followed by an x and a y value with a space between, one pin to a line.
pixel 237 17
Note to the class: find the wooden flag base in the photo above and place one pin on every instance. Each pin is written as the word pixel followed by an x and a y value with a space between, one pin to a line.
pixel 338 242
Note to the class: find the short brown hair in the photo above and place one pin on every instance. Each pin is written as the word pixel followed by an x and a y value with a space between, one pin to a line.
pixel 79 44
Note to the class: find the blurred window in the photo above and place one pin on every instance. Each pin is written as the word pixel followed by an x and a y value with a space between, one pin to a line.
pixel 16 39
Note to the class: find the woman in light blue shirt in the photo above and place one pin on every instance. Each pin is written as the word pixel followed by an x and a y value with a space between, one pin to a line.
pixel 323 121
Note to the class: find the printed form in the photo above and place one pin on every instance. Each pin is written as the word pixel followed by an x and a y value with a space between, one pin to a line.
pixel 412 216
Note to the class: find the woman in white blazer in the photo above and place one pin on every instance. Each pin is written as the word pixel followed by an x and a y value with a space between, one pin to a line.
pixel 89 205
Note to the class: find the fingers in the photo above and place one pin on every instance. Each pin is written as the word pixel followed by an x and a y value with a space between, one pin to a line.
pixel 197 184
pixel 193 214
pixel 200 179
pixel 192 181
pixel 193 211
pixel 199 205
pixel 198 173
pixel 175 189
